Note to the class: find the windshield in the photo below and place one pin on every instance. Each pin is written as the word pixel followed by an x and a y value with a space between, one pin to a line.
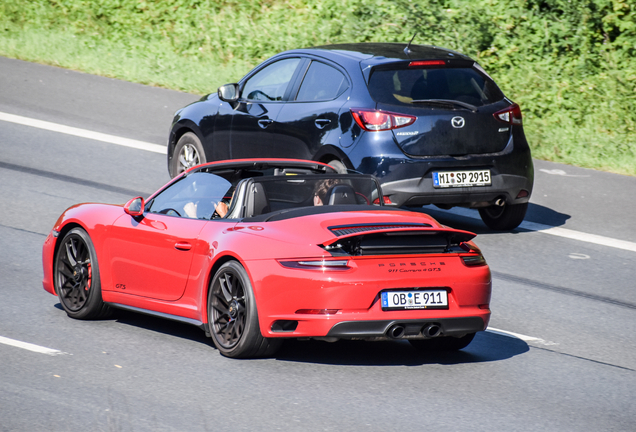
pixel 415 86
pixel 287 192
pixel 195 196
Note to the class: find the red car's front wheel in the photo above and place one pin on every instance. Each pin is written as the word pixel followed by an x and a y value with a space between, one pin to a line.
pixel 76 274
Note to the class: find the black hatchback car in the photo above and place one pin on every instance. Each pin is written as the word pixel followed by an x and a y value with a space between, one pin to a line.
pixel 428 122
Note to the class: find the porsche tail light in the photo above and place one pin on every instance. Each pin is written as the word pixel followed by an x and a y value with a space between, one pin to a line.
pixel 475 260
pixel 322 265
pixel 511 115
pixel 318 311
pixel 375 120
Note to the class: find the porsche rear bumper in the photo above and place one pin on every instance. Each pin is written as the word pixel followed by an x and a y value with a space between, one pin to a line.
pixel 377 324
pixel 412 328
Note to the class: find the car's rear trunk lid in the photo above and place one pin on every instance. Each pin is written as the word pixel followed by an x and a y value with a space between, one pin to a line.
pixel 443 131
pixel 452 101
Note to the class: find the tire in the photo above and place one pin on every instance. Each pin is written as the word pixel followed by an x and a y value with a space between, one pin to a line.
pixel 442 343
pixel 232 315
pixel 338 166
pixel 187 153
pixel 503 218
pixel 76 277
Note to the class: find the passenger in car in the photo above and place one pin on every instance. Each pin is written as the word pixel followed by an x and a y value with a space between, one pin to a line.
pixel 321 189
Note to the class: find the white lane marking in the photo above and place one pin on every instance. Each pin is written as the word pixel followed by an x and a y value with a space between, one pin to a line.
pixel 561 173
pixel 83 133
pixel 520 336
pixel 559 232
pixel 30 347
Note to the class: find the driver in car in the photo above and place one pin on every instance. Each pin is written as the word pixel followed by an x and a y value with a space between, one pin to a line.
pixel 208 205
pixel 220 209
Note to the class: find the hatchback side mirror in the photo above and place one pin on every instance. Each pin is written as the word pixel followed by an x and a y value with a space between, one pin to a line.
pixel 135 207
pixel 229 92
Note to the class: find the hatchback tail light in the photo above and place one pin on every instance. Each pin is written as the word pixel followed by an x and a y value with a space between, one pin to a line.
pixel 386 201
pixel 427 63
pixel 511 115
pixel 374 120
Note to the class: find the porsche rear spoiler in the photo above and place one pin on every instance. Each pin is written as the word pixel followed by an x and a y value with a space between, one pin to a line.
pixel 394 239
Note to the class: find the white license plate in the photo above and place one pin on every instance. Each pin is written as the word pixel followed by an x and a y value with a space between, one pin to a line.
pixel 461 178
pixel 414 299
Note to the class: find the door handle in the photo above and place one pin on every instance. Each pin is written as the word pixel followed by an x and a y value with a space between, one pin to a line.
pixel 321 123
pixel 263 123
pixel 184 246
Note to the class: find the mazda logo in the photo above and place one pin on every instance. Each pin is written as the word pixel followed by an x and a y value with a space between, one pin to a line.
pixel 458 122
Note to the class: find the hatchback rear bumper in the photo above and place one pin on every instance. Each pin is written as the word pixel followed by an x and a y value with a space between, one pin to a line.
pixel 409 180
pixel 420 191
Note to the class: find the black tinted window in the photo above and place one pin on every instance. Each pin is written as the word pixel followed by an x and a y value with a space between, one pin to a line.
pixel 407 85
pixel 322 83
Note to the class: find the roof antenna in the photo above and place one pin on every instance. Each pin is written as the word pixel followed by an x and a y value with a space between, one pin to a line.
pixel 407 50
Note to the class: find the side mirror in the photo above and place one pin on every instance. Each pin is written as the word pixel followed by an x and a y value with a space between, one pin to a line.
pixel 229 92
pixel 135 207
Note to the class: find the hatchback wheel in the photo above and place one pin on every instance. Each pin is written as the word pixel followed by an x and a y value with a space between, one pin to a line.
pixel 503 218
pixel 338 166
pixel 187 153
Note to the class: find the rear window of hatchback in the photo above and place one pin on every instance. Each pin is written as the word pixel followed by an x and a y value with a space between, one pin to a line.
pixel 407 86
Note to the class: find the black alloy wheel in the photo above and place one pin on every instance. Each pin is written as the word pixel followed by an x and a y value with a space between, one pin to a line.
pixel 232 315
pixel 187 153
pixel 76 274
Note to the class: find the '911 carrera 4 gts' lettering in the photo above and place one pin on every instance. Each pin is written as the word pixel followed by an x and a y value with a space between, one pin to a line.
pixel 416 270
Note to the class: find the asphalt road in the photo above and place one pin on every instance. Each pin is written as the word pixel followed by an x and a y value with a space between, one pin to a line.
pixel 570 302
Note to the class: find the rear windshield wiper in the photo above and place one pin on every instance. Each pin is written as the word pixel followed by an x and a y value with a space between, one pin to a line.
pixel 446 102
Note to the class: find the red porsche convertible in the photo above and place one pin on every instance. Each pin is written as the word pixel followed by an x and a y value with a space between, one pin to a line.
pixel 257 251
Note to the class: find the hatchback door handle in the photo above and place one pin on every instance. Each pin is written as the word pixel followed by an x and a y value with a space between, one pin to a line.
pixel 263 123
pixel 321 123
pixel 183 246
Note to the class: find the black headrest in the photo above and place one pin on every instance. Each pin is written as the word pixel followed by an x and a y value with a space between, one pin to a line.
pixel 341 194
